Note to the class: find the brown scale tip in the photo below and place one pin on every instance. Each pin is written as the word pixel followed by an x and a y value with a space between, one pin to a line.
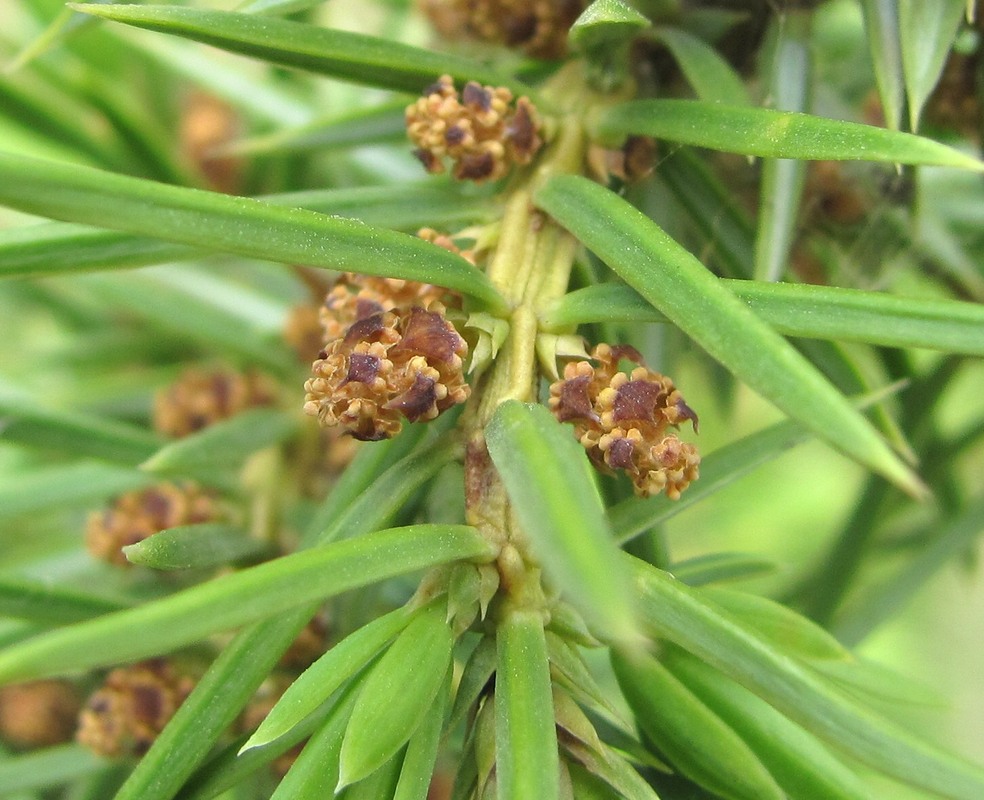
pixel 685 412
pixel 638 400
pixel 619 454
pixel 574 400
pixel 125 715
pixel 358 297
pixel 454 135
pixel 373 328
pixel 624 419
pixel 429 334
pixel 430 161
pixel 418 401
pixel 363 368
pixel 477 97
pixel 523 133
pixel 475 167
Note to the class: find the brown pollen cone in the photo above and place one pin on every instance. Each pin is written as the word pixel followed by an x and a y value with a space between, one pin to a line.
pixel 623 420
pixel 38 714
pixel 125 715
pixel 202 397
pixel 538 27
pixel 136 515
pixel 388 367
pixel 482 131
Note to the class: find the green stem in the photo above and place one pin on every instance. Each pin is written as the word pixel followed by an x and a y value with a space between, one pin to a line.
pixel 512 249
pixel 531 267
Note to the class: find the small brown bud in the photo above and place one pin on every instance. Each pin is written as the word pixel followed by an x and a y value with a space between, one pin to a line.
pixel 38 714
pixel 199 398
pixel 125 715
pixel 136 515
pixel 623 420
